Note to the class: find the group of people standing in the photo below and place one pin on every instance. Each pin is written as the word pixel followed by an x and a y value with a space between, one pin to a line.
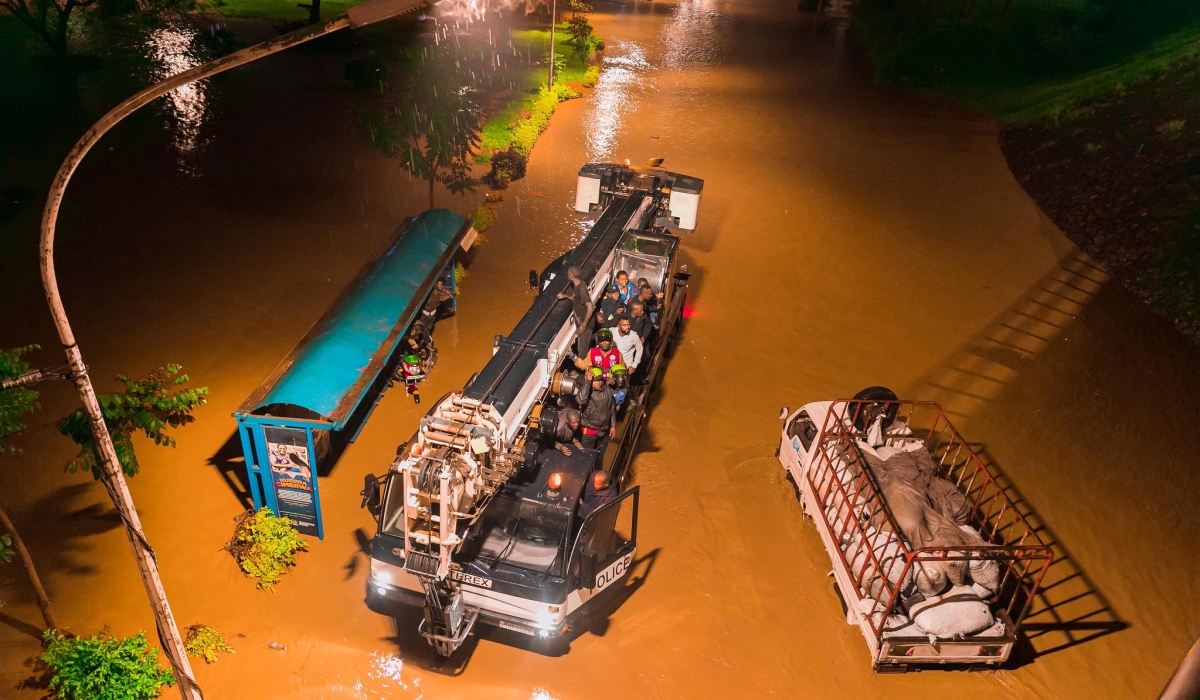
pixel 418 353
pixel 622 325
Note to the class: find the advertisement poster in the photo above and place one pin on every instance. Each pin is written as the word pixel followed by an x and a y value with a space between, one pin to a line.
pixel 293 476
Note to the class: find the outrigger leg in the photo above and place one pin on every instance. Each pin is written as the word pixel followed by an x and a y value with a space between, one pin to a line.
pixel 448 620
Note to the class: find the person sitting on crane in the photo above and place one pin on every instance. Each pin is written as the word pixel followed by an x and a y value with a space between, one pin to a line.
pixel 604 355
pixel 567 432
pixel 626 290
pixel 611 305
pixel 597 411
pixel 601 490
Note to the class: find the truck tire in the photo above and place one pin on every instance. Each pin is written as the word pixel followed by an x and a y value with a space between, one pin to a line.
pixel 878 395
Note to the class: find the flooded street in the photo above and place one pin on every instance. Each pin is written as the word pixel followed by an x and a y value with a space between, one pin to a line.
pixel 849 236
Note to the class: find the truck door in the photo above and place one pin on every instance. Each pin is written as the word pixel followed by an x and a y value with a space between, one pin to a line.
pixel 798 434
pixel 604 550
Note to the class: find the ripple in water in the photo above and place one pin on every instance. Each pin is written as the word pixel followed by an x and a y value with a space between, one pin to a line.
pixel 614 97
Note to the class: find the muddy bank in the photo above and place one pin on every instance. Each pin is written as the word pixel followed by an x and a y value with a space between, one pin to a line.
pixel 1121 177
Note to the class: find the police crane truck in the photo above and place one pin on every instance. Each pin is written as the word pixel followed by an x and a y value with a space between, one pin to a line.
pixel 478 517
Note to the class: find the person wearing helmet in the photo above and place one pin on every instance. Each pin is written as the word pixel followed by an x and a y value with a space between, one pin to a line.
pixel 619 380
pixel 597 411
pixel 604 355
pixel 410 370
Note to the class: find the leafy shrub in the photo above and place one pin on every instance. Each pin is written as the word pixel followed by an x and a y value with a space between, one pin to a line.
pixel 103 667
pixel 591 76
pixel 265 546
pixel 483 217
pixel 596 42
pixel 14 403
pixel 459 273
pixel 507 166
pixel 204 642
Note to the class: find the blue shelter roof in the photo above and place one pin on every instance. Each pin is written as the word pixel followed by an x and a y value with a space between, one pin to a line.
pixel 333 366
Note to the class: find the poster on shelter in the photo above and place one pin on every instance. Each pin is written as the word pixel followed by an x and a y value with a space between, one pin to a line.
pixel 293 476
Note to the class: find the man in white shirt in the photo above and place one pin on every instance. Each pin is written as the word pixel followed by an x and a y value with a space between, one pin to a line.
pixel 628 342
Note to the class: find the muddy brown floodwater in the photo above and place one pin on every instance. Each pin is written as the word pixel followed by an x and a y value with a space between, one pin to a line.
pixel 850 236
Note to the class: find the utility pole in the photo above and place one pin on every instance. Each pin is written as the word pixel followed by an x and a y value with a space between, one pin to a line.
pixel 553 12
pixel 111 474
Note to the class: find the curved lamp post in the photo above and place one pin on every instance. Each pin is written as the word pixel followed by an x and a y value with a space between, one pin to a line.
pixel 112 476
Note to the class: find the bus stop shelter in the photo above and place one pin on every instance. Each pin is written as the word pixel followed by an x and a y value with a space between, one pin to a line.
pixel 319 397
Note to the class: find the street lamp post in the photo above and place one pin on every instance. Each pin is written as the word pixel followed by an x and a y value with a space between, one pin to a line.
pixel 111 475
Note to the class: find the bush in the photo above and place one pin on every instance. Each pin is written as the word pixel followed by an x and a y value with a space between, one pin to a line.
pixel 507 166
pixel 204 642
pixel 591 76
pixel 459 273
pixel 104 667
pixel 265 546
pixel 483 217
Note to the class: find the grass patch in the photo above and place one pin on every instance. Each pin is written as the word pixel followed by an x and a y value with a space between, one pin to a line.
pixel 1052 100
pixel 519 122
pixel 274 10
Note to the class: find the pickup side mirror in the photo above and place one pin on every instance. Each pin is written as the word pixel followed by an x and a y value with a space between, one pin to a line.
pixel 533 280
pixel 587 568
pixel 370 494
pixel 783 412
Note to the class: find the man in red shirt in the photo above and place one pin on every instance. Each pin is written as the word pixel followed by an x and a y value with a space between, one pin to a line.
pixel 606 355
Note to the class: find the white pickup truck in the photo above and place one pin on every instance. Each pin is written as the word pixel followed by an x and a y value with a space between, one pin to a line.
pixel 931 559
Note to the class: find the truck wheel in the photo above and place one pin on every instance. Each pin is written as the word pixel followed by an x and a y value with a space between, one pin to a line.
pixel 879 396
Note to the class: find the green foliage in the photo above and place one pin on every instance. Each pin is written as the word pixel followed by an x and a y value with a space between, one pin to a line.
pixel 14 403
pixel 526 131
pixel 483 217
pixel 149 406
pixel 1172 129
pixel 507 166
pixel 459 273
pixel 432 126
pixel 560 61
pixel 204 642
pixel 103 667
pixel 580 31
pixel 265 546
pixel 997 42
pixel 592 76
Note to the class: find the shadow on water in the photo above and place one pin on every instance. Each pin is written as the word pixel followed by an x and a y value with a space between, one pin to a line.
pixel 595 621
pixel 978 371
pixel 231 465
pixel 1069 609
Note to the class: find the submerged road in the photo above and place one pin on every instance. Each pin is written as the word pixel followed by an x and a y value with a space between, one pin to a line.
pixel 850 235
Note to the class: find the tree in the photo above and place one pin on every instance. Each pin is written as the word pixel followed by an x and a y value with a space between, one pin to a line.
pixel 580 30
pixel 49 19
pixel 432 126
pixel 14 404
pixel 149 406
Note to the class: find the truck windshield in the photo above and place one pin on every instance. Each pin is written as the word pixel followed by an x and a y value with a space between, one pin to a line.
pixel 524 534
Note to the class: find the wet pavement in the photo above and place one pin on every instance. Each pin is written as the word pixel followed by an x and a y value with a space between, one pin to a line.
pixel 850 235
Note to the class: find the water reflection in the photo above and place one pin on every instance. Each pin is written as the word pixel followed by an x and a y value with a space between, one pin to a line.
pixel 172 51
pixel 692 36
pixel 615 97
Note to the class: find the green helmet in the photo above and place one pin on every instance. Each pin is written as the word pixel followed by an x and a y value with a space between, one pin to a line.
pixel 596 373
pixel 619 370
pixel 603 334
pixel 412 360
